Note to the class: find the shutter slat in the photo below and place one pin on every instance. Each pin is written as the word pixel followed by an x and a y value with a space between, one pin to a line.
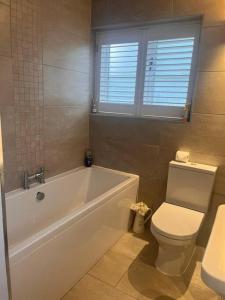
pixel 172 41
pixel 170 48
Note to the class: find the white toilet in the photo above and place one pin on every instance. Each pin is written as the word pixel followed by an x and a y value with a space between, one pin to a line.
pixel 177 221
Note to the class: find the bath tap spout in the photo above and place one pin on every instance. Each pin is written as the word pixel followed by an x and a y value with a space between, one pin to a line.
pixel 39 176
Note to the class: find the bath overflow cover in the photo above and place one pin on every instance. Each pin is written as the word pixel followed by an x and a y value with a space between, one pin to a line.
pixel 40 196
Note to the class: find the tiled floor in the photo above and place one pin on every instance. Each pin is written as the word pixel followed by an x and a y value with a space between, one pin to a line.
pixel 127 272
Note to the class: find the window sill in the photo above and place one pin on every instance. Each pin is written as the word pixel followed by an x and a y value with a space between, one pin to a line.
pixel 127 116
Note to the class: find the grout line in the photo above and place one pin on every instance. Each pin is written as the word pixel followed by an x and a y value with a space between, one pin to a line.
pixel 118 281
pixel 125 293
pixel 172 8
pixel 73 286
pixel 213 25
pixel 66 69
pixel 114 287
pixel 205 71
pixel 121 279
pixel 99 279
pixel 210 71
pixel 209 114
pixel 121 254
pixel 47 106
pixel 219 194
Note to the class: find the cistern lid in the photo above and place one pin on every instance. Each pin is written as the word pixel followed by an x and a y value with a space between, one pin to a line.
pixel 194 167
pixel 176 222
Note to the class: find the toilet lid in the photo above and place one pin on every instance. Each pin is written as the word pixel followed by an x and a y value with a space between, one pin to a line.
pixel 176 222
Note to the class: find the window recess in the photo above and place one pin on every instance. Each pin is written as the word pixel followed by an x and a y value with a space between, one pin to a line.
pixel 147 72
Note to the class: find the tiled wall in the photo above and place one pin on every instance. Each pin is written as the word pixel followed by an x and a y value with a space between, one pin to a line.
pixel 44 85
pixel 145 146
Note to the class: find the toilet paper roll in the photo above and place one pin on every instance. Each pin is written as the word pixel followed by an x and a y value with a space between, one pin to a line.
pixel 182 156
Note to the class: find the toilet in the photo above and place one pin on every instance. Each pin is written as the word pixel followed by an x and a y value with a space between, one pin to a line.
pixel 176 223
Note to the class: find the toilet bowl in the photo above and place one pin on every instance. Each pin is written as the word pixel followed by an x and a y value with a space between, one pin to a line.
pixel 175 228
pixel 176 223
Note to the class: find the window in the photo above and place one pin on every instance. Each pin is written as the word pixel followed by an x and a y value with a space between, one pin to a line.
pixel 147 71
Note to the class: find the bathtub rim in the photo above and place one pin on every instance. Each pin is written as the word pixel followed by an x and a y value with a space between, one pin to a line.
pixel 51 179
pixel 18 251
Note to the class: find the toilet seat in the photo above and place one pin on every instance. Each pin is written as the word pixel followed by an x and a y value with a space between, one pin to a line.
pixel 176 222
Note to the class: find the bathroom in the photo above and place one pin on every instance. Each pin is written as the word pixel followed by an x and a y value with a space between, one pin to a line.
pixel 67 230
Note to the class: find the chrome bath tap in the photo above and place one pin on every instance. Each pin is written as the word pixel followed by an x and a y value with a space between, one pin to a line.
pixel 39 176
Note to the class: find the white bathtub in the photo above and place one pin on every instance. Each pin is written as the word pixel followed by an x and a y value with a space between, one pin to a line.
pixel 54 242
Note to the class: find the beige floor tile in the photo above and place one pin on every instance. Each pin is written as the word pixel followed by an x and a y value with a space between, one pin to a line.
pixel 196 287
pixel 196 293
pixel 130 245
pixel 133 258
pixel 90 288
pixel 111 267
pixel 143 281
pixel 193 272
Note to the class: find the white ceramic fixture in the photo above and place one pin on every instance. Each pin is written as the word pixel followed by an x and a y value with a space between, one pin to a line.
pixel 213 264
pixel 55 241
pixel 177 221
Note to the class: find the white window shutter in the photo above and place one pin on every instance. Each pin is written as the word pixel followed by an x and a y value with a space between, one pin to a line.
pixel 118 73
pixel 148 71
pixel 117 62
pixel 167 76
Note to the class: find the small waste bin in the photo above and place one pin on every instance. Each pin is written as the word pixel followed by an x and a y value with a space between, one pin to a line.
pixel 141 210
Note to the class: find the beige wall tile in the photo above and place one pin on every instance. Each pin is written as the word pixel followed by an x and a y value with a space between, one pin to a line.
pixel 6 81
pixel 210 93
pixel 212 49
pixel 124 155
pixel 152 191
pixel 5 45
pixel 7 2
pixel 196 143
pixel 73 123
pixel 213 10
pixel 8 116
pixel 65 87
pixel 207 125
pixel 67 140
pixel 68 15
pixel 209 220
pixel 67 50
pixel 131 11
pixel 100 13
pixel 11 178
pixel 63 156
pixel 128 129
pixel 76 16
pixel 126 11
